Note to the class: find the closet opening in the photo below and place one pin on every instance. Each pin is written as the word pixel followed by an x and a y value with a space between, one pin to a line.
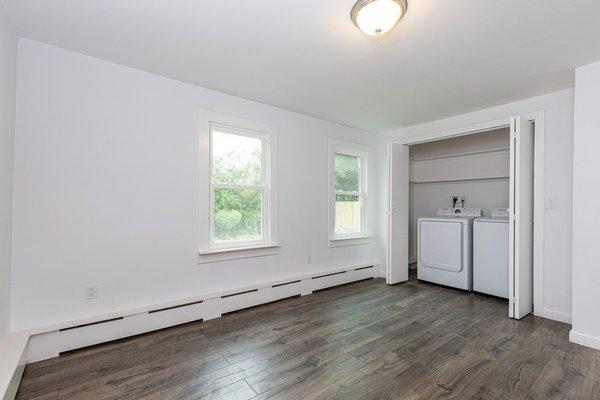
pixel 462 209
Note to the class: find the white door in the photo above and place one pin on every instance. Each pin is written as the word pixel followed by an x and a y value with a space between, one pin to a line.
pixel 521 218
pixel 398 211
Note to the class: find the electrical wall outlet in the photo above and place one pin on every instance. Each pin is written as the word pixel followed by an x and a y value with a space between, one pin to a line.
pixel 91 292
pixel 457 200
pixel 454 201
pixel 308 260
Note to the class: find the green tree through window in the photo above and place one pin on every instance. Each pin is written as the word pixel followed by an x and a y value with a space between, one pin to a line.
pixel 237 188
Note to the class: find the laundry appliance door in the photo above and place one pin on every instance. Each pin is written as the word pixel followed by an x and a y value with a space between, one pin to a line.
pixel 441 245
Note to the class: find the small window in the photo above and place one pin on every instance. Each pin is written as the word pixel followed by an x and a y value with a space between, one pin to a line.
pixel 349 195
pixel 239 188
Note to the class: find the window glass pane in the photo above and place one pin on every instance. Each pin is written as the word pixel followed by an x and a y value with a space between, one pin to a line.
pixel 236 159
pixel 237 215
pixel 347 173
pixel 347 214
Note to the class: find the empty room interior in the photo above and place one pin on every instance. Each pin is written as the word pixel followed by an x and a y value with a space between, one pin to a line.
pixel 299 200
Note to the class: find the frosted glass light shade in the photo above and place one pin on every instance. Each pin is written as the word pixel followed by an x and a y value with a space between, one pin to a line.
pixel 377 17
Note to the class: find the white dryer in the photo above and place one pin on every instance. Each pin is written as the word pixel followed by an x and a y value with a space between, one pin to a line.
pixel 445 247
pixel 490 254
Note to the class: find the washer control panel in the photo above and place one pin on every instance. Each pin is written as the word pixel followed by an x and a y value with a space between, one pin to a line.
pixel 459 212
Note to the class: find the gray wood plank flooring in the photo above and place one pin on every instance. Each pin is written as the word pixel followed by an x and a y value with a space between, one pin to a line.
pixel 361 341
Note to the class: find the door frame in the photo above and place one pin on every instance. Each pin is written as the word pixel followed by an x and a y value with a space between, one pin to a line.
pixel 536 117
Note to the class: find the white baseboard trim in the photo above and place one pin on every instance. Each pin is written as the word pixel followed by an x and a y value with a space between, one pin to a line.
pixel 554 315
pixel 49 342
pixel 381 271
pixel 13 356
pixel 584 340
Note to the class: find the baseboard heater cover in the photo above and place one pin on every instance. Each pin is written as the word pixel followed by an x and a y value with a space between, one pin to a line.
pixel 240 293
pixel 174 307
pixel 259 305
pixel 90 324
pixel 53 342
pixel 285 284
pixel 332 274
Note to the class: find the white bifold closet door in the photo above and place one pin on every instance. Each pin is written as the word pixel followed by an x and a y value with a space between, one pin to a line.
pixel 521 218
pixel 397 270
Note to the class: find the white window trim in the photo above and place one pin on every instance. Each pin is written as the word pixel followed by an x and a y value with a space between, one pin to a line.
pixel 208 250
pixel 230 250
pixel 358 150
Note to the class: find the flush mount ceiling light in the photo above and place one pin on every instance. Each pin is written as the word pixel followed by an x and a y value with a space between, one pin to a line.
pixel 377 17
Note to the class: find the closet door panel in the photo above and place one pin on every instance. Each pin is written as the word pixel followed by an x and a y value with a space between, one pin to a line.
pixel 521 218
pixel 398 213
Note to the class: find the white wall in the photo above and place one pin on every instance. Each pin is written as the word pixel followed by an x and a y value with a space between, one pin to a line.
pixel 558 177
pixel 586 213
pixel 106 172
pixel 8 55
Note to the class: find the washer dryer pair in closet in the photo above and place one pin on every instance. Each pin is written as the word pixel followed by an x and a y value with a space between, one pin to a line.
pixel 445 247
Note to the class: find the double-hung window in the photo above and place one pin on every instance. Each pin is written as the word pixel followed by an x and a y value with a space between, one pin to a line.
pixel 240 197
pixel 239 187
pixel 348 208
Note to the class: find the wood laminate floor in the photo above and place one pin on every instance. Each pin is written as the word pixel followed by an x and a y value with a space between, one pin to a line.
pixel 362 341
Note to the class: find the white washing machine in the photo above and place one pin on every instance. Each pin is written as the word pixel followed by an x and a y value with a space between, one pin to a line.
pixel 445 247
pixel 490 254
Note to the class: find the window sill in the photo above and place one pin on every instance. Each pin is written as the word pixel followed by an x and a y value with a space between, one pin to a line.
pixel 350 240
pixel 235 253
pixel 234 249
pixel 342 238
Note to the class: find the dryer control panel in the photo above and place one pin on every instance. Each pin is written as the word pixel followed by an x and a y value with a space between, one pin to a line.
pixel 459 211
pixel 500 213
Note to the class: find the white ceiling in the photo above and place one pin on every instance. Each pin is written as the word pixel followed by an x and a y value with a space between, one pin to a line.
pixel 446 57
